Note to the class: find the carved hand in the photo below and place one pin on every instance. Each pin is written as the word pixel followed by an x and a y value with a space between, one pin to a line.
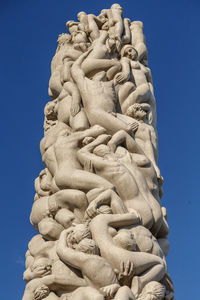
pixel 75 108
pixel 126 269
pixel 41 271
pixel 121 77
pixel 133 126
pixel 110 290
pixel 91 211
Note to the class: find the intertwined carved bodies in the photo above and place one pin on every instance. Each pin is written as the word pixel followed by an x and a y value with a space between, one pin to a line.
pixel 100 155
pixel 60 277
pixel 121 170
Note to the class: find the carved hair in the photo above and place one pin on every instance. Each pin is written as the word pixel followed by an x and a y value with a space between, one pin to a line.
pixel 132 110
pixel 154 289
pixel 63 38
pixel 49 111
pixel 104 209
pixel 41 292
pixel 80 232
pixel 88 246
pixel 123 51
pixel 101 150
pixel 116 5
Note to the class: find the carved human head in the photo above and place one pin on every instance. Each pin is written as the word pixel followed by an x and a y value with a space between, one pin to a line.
pixel 79 232
pixel 42 261
pixel 81 13
pixel 135 111
pixel 45 180
pixel 153 291
pixel 49 111
pixel 63 38
pixel 101 150
pixel 88 246
pixel 129 52
pixel 117 6
pixel 125 239
pixel 72 26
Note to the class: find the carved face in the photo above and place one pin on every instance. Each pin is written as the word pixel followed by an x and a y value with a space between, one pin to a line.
pixel 131 53
pixel 140 114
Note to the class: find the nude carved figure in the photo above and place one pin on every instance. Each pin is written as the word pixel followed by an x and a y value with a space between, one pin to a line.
pixel 121 170
pixel 121 251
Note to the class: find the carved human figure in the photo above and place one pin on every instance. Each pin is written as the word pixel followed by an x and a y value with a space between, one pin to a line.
pixel 121 170
pixel 139 156
pixel 145 134
pixel 69 172
pixel 85 257
pixel 90 24
pixel 138 159
pixel 98 98
pixel 140 88
pixel 47 147
pixel 113 22
pixel 121 251
pixel 138 41
pixel 47 272
pixel 51 214
pixel 69 109
pixel 64 50
pixel 78 36
pixel 99 57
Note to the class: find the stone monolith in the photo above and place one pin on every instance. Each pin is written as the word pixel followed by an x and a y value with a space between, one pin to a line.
pixel 102 229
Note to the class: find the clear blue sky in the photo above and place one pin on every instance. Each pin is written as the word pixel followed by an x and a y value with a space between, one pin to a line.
pixel 29 31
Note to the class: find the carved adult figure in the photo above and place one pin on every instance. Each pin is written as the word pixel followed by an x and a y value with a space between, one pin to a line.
pixel 135 147
pixel 90 24
pixel 99 57
pixel 98 98
pixel 79 37
pixel 47 270
pixel 61 208
pixel 121 170
pixel 138 41
pixel 84 255
pixel 145 134
pixel 64 50
pixel 113 22
pixel 69 109
pixel 69 172
pixel 121 251
pixel 85 258
pixel 140 88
